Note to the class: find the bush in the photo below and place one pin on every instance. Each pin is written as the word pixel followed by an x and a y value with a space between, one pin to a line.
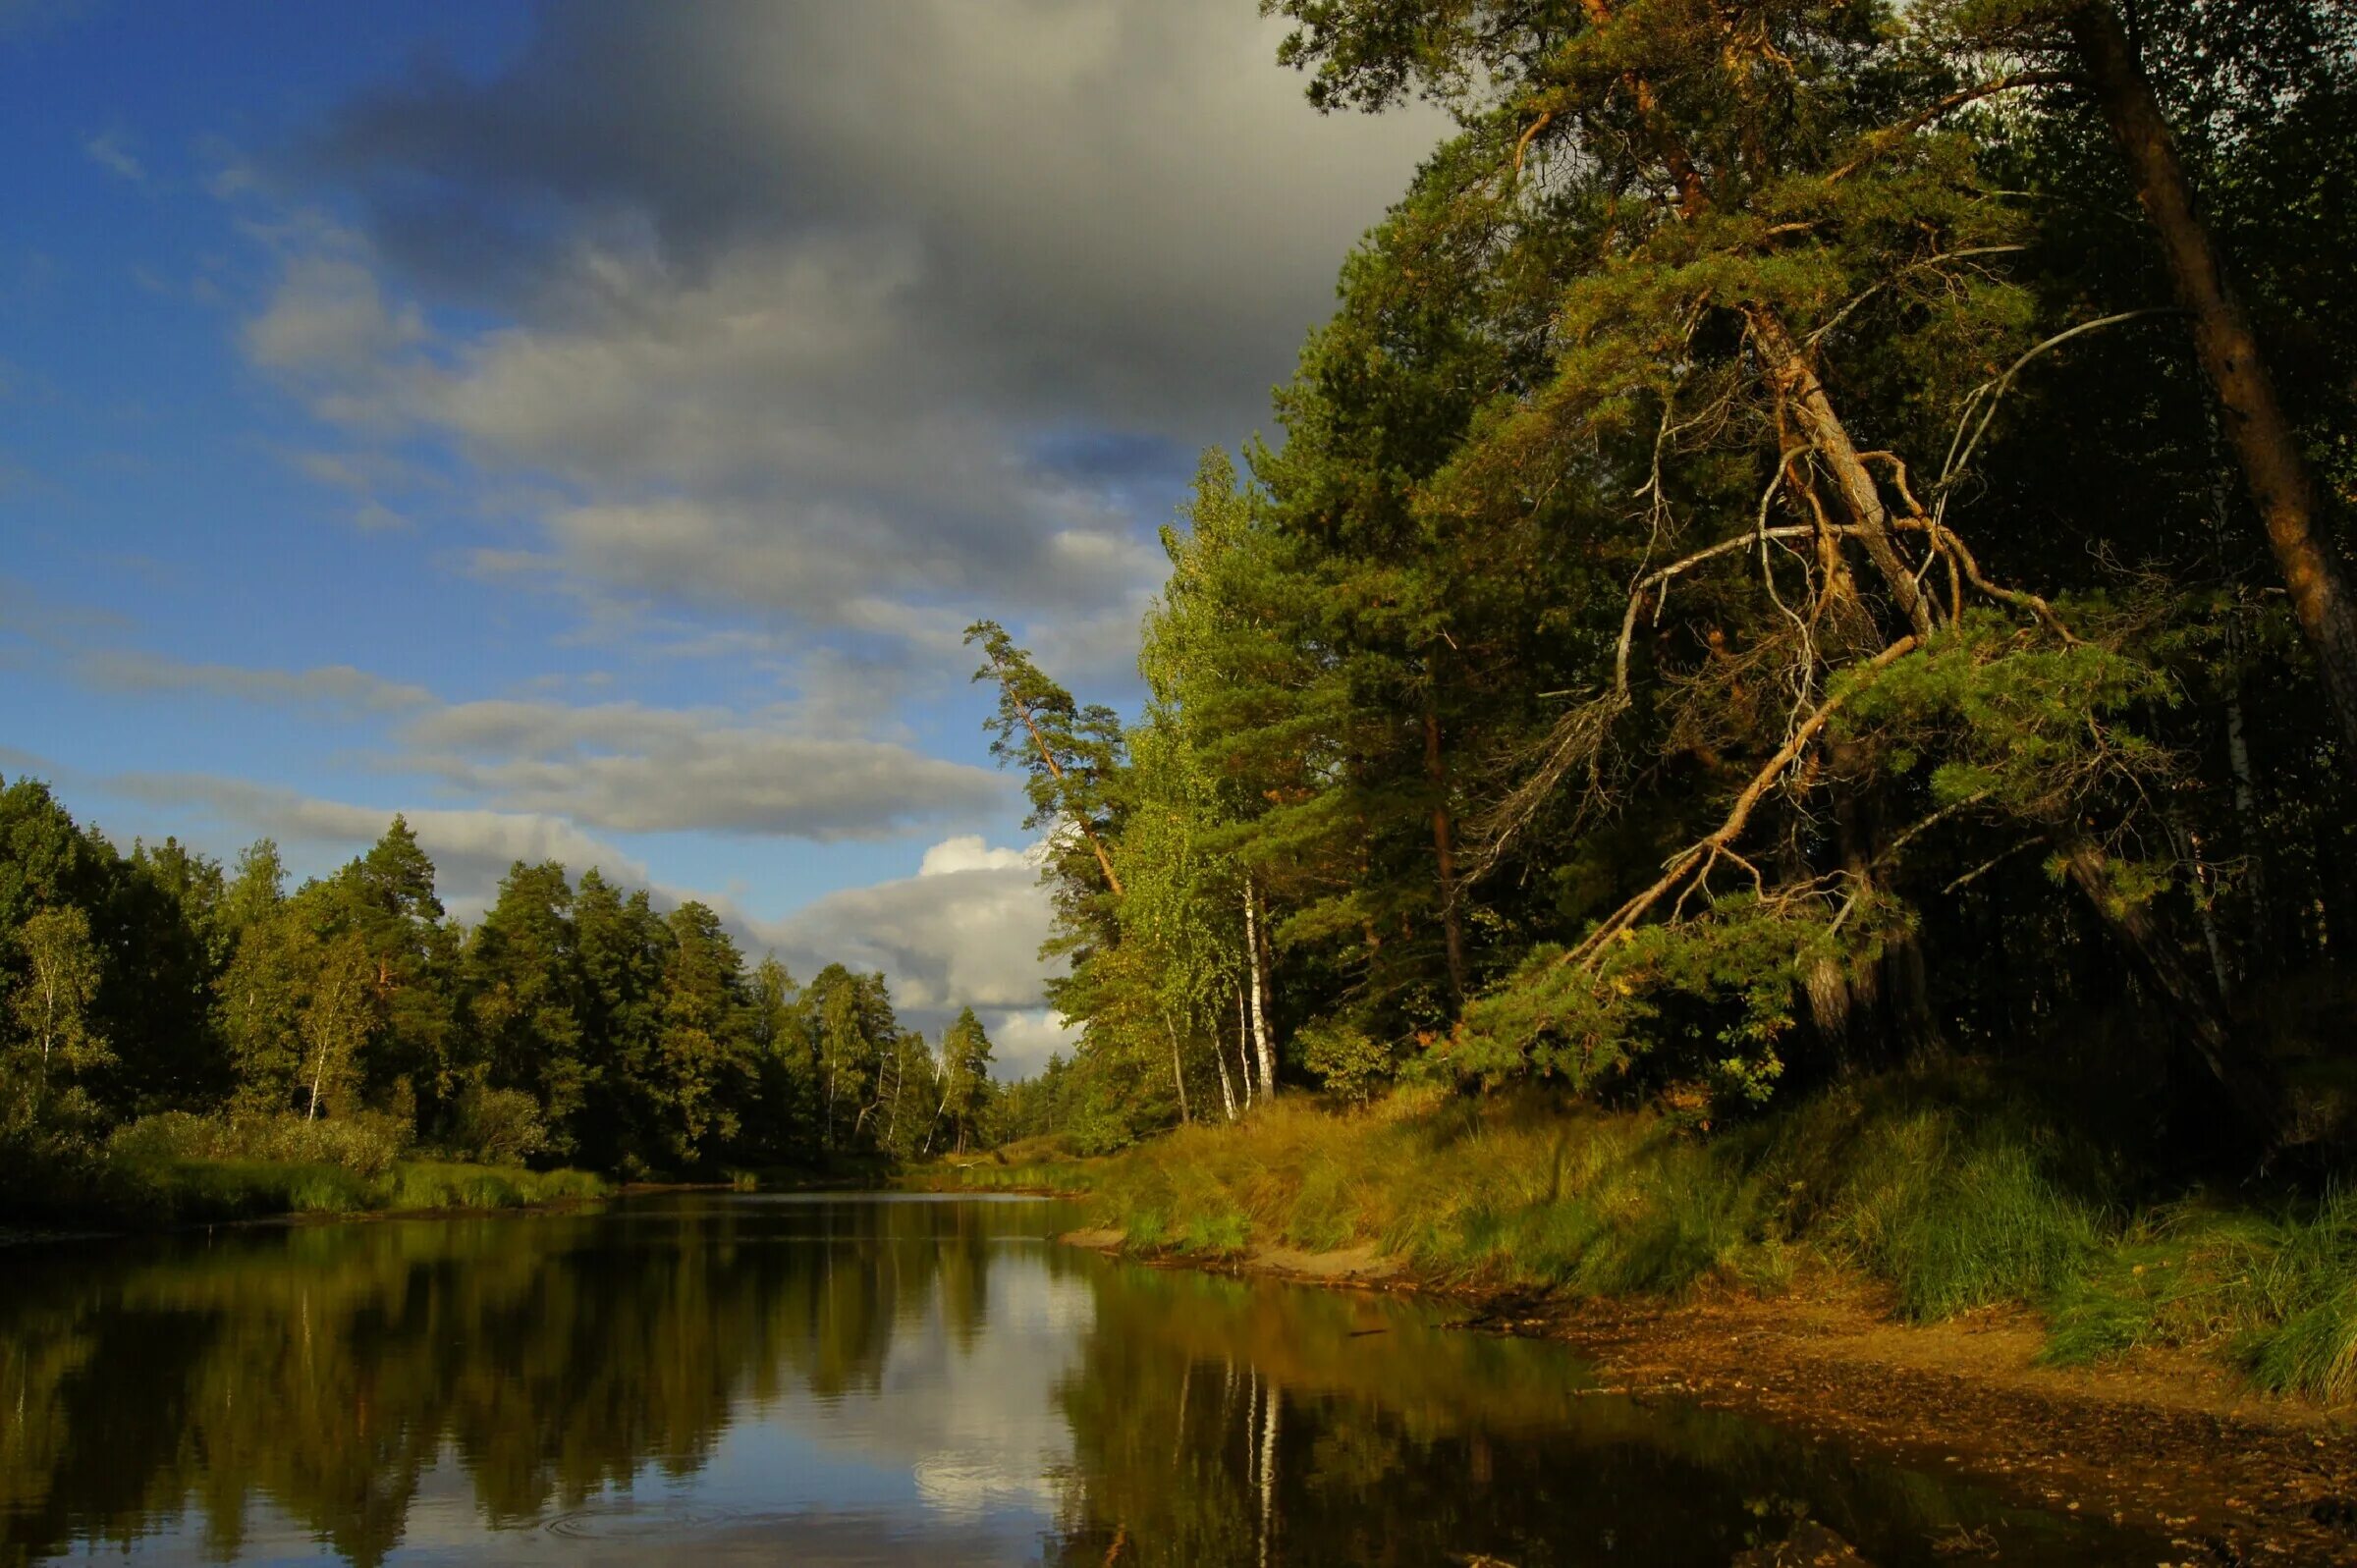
pixel 366 1143
pixel 182 1169
pixel 496 1126
pixel 1347 1060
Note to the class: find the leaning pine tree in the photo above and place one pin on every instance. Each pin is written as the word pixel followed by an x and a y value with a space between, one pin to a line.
pixel 1782 330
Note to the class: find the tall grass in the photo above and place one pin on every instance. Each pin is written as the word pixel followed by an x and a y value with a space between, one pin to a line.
pixel 1947 1194
pixel 2274 1291
pixel 1495 1193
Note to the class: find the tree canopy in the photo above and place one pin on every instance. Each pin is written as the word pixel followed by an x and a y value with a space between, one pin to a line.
pixel 573 1022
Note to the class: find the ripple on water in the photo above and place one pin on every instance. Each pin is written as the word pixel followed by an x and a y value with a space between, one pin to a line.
pixel 629 1519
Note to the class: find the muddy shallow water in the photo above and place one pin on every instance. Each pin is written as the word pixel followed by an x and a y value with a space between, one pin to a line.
pixel 716 1379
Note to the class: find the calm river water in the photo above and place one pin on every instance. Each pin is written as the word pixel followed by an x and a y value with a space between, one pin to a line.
pixel 713 1380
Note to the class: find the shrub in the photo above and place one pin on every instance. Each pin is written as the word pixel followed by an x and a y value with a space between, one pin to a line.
pixel 1346 1061
pixel 366 1143
pixel 496 1126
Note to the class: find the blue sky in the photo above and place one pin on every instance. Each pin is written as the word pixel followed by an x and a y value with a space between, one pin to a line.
pixel 587 429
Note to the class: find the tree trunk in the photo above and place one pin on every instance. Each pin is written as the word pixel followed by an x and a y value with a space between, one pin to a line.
pixel 1268 1470
pixel 1056 772
pixel 2247 826
pixel 949 1080
pixel 1244 1046
pixel 1262 1045
pixel 2249 1080
pixel 1219 1054
pixel 1444 848
pixel 1178 1073
pixel 1789 372
pixel 2265 445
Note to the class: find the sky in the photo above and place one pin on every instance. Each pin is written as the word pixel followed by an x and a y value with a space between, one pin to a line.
pixel 588 428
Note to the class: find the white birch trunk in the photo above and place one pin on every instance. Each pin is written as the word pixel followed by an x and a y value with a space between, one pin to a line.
pixel 1219 1054
pixel 1243 1045
pixel 1261 1041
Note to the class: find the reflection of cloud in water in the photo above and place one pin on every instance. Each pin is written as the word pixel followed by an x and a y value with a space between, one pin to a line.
pixel 981 1420
pixel 967 1484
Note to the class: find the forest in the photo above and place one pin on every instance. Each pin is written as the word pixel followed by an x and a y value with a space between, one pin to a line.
pixel 1813 546
pixel 165 1013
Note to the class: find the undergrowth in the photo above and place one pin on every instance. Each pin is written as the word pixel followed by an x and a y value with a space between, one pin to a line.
pixel 1943 1191
pixel 117 1189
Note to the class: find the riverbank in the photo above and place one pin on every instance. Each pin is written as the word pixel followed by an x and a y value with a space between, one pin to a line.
pixel 1945 1195
pixel 1922 1266
pixel 2156 1440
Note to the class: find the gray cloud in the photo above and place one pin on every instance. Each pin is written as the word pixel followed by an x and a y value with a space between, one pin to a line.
pixel 964 931
pixel 330 319
pixel 634 769
pixel 816 768
pixel 328 686
pixel 875 315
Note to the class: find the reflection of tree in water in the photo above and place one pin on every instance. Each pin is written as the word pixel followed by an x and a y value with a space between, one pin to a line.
pixel 325 1370
pixel 1224 1422
pixel 327 1373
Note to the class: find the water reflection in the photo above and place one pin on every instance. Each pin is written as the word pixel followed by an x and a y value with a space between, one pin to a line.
pixel 850 1382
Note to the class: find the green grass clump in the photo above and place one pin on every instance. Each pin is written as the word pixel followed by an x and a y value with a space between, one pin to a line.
pixel 1504 1192
pixel 1957 1218
pixel 1032 1165
pixel 1952 1204
pixel 2275 1292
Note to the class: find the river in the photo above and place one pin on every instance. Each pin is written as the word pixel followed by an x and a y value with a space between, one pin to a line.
pixel 718 1380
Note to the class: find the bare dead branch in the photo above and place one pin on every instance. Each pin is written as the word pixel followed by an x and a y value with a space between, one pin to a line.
pixel 1986 397
pixel 1926 264
pixel 1697 861
pixel 1884 140
pixel 1522 142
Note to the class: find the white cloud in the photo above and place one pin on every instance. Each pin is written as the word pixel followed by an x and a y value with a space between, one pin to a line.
pixel 111 151
pixel 972 853
pixel 329 320
pixel 963 932
pixel 1022 1041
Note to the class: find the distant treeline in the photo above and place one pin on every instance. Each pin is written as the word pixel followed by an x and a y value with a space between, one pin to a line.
pixel 575 1023
pixel 1816 537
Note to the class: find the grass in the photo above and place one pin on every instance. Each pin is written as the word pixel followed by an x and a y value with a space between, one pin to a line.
pixel 2274 1291
pixel 1946 1193
pixel 1032 1165
pixel 121 1191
